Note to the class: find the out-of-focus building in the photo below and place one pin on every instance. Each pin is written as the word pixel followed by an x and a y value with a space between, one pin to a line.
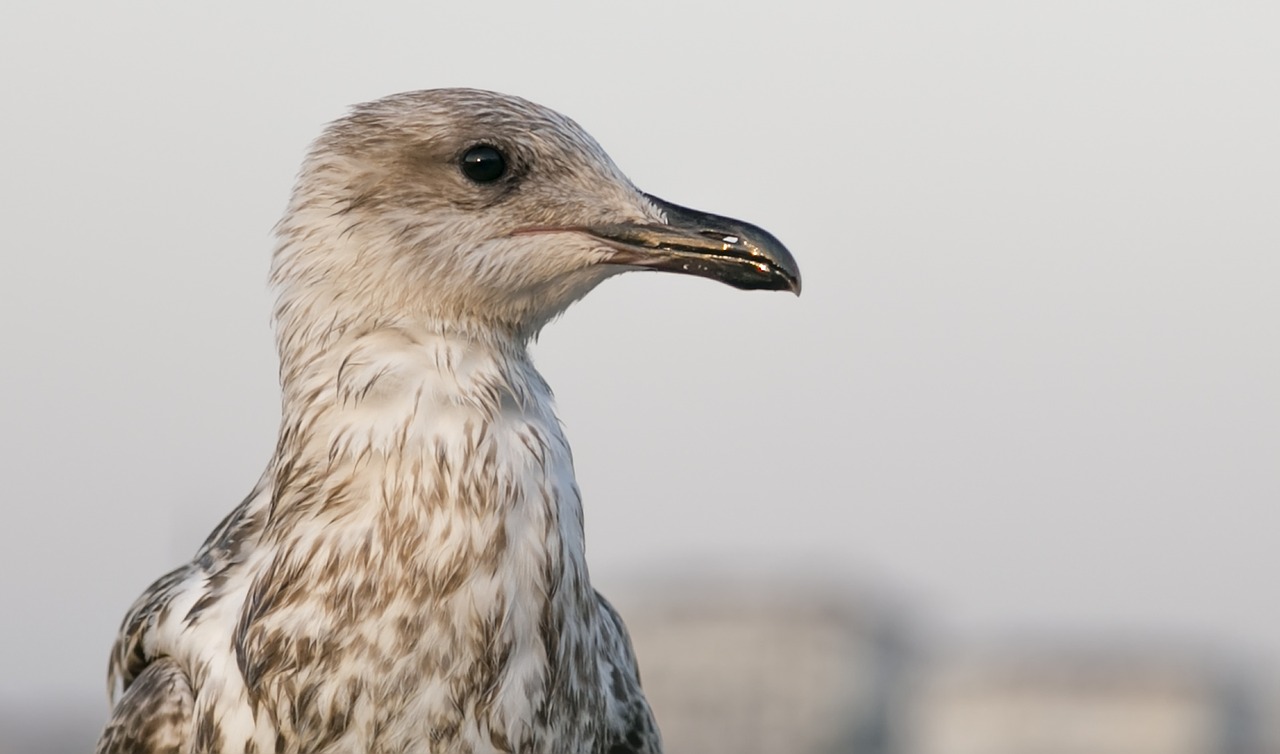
pixel 1059 703
pixel 770 670
pixel 1268 716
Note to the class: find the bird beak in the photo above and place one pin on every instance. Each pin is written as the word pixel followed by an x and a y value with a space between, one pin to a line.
pixel 696 243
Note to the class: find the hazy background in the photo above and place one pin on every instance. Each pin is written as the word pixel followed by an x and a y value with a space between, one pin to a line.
pixel 1031 387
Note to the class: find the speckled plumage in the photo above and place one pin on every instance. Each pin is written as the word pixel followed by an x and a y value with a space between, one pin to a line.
pixel 409 573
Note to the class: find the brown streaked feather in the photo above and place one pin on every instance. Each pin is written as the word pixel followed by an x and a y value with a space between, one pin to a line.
pixel 155 714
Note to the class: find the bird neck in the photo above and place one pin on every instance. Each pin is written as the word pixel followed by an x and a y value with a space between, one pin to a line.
pixel 441 454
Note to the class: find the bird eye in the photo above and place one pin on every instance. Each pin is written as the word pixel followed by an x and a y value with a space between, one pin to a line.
pixel 483 164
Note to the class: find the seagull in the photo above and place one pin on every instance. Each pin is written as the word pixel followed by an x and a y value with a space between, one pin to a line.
pixel 409 575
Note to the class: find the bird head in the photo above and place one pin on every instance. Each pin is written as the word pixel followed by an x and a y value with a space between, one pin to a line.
pixel 482 212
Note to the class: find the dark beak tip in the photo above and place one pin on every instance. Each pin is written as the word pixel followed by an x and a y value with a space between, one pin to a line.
pixel 785 267
pixel 734 252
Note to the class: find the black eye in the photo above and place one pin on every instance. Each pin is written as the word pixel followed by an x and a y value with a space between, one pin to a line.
pixel 483 164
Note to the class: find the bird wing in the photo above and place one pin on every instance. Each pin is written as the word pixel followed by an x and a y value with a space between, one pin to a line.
pixel 154 714
pixel 152 695
pixel 129 655
pixel 631 727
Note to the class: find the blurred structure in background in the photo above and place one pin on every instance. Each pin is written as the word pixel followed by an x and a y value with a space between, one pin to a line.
pixel 767 670
pixel 1269 721
pixel 1060 702
pixel 818 670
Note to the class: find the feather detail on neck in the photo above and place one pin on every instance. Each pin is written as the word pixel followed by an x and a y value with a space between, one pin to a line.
pixel 424 493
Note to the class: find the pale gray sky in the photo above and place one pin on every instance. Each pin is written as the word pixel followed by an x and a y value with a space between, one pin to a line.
pixel 1031 384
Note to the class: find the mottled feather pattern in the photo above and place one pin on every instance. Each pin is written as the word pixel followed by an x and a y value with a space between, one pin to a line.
pixel 154 714
pixel 454 608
